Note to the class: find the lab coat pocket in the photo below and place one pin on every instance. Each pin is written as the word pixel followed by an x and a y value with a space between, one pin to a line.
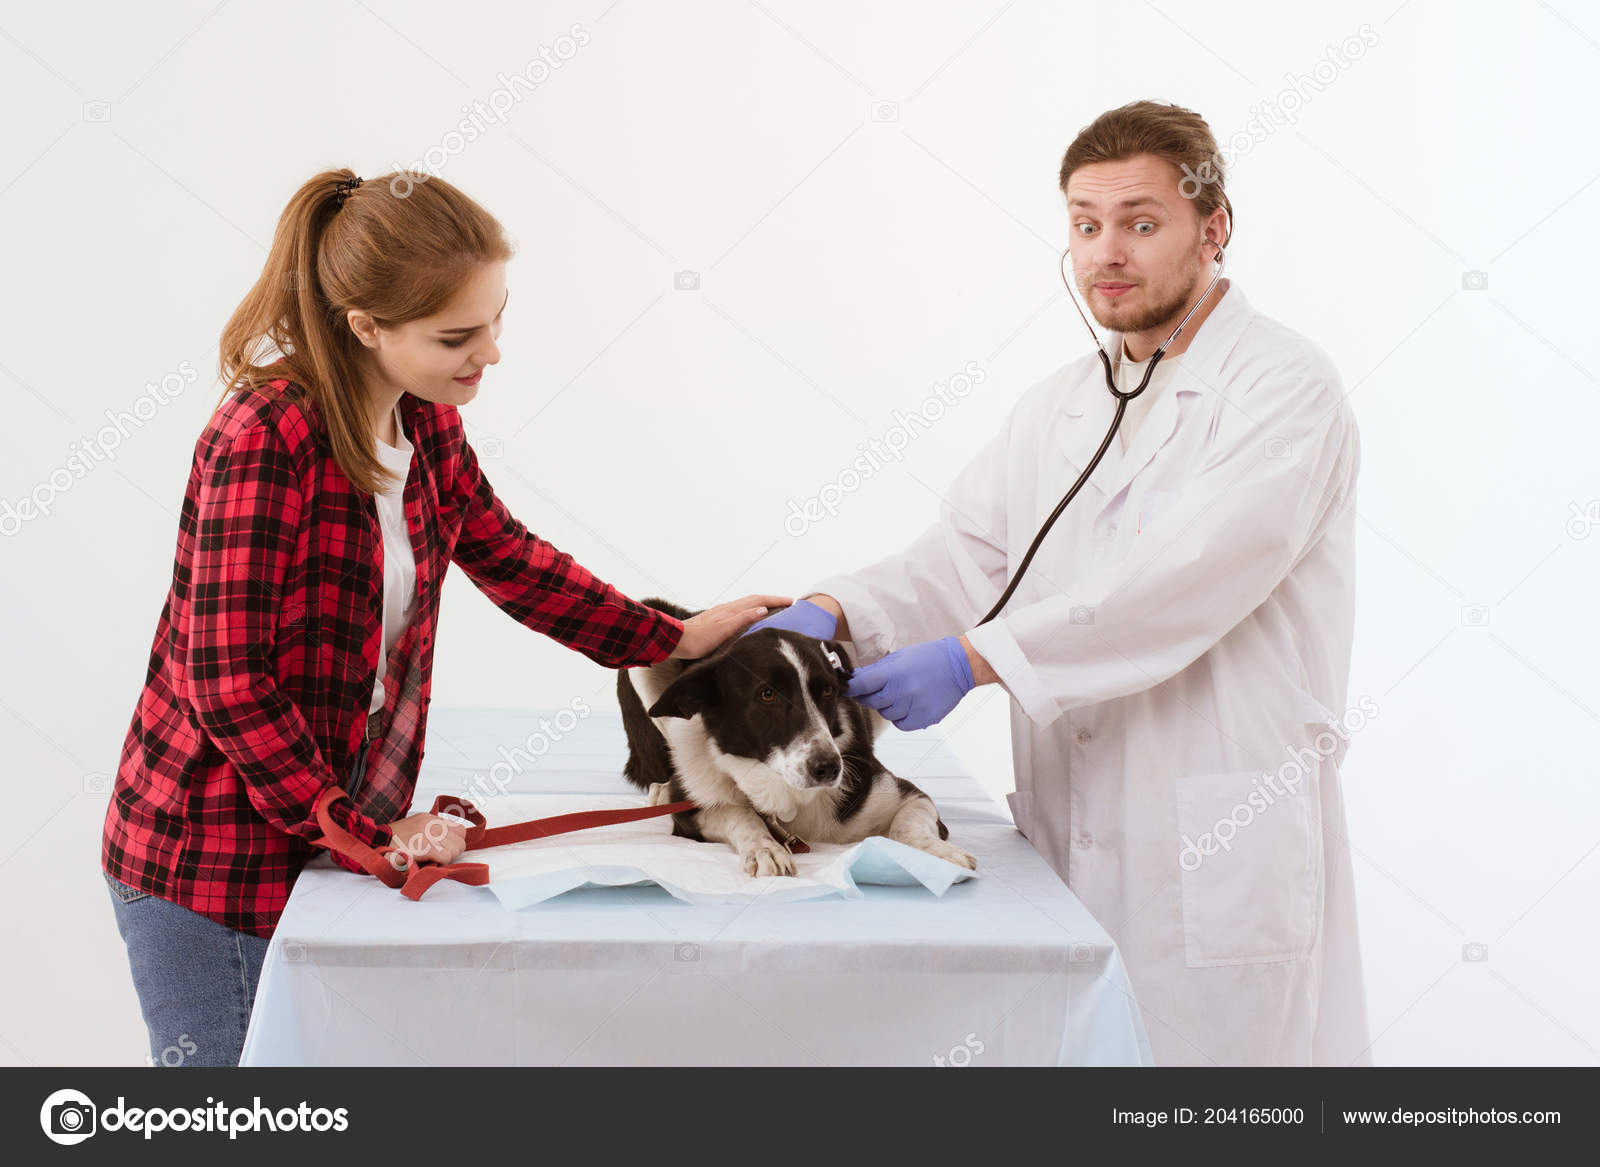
pixel 1021 804
pixel 1250 861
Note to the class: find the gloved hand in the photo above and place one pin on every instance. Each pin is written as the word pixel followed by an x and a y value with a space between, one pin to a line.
pixel 803 617
pixel 917 686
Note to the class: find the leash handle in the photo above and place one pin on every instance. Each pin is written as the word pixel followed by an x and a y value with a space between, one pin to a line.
pixel 398 868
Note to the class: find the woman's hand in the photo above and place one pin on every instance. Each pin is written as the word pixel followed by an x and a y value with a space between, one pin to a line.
pixel 430 837
pixel 703 633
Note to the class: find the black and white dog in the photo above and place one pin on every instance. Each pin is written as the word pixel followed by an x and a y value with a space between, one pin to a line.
pixel 762 738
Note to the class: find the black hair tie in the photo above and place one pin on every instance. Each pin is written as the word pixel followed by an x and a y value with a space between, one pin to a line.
pixel 346 185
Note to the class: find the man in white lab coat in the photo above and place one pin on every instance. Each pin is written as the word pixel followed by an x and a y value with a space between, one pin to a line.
pixel 1177 653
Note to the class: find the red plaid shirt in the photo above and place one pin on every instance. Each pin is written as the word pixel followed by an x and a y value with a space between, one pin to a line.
pixel 267 649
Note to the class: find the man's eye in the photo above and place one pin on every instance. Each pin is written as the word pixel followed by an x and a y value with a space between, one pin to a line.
pixel 1087 228
pixel 766 695
pixel 1152 227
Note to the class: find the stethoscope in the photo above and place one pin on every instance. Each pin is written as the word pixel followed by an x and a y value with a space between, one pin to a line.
pixel 1122 405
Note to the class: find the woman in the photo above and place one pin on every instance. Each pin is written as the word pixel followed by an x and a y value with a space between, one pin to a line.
pixel 295 648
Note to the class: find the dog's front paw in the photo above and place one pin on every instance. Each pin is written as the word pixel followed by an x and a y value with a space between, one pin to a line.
pixel 951 852
pixel 659 795
pixel 768 858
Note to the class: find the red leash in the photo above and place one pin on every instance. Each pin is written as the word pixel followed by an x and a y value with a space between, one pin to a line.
pixel 398 869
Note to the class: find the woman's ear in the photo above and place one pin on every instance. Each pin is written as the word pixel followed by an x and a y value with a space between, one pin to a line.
pixel 361 323
pixel 689 694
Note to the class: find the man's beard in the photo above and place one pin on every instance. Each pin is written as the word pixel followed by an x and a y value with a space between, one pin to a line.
pixel 1165 312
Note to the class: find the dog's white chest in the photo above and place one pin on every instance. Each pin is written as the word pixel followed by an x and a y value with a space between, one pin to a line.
pixel 770 794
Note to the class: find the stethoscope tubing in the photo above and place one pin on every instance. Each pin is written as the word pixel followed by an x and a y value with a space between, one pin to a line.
pixel 1122 400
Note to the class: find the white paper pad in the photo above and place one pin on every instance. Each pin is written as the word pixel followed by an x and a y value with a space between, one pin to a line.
pixel 521 874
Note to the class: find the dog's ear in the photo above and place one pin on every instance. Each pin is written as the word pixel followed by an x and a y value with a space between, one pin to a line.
pixel 689 694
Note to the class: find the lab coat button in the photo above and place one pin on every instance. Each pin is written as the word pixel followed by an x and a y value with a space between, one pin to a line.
pixel 1086 840
pixel 1083 736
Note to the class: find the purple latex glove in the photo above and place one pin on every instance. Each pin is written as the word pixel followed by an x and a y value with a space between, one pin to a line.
pixel 917 686
pixel 803 617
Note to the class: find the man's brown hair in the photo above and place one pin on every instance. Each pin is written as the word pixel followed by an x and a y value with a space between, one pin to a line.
pixel 1176 135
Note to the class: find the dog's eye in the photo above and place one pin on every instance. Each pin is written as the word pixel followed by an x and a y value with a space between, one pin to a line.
pixel 766 695
pixel 827 692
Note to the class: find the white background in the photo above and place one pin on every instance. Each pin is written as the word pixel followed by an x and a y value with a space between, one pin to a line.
pixel 850 254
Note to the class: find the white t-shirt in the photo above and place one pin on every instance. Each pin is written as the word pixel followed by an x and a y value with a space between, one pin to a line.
pixel 399 560
pixel 1129 374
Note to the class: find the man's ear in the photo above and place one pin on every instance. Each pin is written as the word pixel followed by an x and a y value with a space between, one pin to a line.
pixel 689 694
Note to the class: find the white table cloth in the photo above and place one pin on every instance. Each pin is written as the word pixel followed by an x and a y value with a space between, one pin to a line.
pixel 1004 969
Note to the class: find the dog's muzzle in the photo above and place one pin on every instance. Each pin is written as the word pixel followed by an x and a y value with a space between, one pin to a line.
pixel 824 768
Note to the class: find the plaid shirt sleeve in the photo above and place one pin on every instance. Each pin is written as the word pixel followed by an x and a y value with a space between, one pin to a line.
pixel 543 588
pixel 249 509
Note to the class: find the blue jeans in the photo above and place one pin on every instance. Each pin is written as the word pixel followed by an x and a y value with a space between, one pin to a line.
pixel 196 978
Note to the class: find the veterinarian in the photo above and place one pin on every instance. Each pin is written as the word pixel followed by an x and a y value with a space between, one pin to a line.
pixel 295 649
pixel 1177 654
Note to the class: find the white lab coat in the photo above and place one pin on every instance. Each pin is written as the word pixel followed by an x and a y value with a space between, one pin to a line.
pixel 1177 657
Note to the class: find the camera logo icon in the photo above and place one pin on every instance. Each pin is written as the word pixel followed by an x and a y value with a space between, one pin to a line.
pixel 1474 281
pixel 68 1117
pixel 885 111
pixel 686 281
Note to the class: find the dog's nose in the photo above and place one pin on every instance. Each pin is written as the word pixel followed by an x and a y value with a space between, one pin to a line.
pixel 822 769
